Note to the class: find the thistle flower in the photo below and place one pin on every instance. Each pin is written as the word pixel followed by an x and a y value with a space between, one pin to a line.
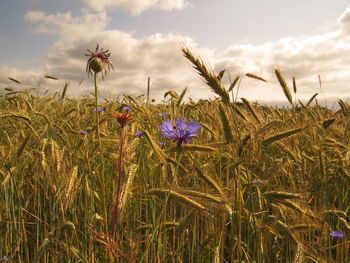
pixel 127 108
pixel 336 234
pixel 183 132
pixel 99 61
pixel 123 118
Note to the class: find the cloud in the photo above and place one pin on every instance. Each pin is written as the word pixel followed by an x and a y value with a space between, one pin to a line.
pixel 29 78
pixel 135 6
pixel 66 25
pixel 159 56
pixel 344 21
pixel 304 57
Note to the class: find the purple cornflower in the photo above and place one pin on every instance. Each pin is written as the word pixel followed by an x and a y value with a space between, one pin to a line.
pixel 163 114
pixel 82 132
pixel 257 182
pixel 183 132
pixel 98 109
pixel 336 234
pixel 127 108
pixel 162 143
pixel 4 258
pixel 139 134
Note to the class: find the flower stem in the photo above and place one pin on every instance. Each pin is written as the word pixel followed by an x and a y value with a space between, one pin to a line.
pixel 96 110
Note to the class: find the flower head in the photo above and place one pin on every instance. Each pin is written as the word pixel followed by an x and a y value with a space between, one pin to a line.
pixel 82 132
pixel 182 132
pixel 5 258
pixel 163 114
pixel 139 134
pixel 100 109
pixel 123 118
pixel 257 182
pixel 98 61
pixel 127 108
pixel 336 234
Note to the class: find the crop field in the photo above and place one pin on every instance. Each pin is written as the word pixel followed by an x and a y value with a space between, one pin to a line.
pixel 131 180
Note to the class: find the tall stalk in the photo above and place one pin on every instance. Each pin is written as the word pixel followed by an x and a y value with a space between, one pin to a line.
pixel 96 110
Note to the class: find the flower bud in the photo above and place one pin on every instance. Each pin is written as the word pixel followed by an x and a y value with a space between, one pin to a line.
pixel 96 65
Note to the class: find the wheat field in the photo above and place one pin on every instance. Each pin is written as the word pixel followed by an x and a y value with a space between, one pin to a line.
pixel 256 184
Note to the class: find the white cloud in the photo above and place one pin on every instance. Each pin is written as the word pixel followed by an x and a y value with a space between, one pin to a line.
pixel 159 56
pixel 28 78
pixel 66 25
pixel 344 21
pixel 303 57
pixel 135 6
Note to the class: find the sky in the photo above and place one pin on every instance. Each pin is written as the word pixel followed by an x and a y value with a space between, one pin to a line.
pixel 303 39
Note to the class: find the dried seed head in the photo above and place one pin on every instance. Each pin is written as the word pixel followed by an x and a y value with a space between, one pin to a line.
pixel 96 65
pixel 99 61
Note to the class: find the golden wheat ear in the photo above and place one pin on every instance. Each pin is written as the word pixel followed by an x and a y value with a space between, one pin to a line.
pixel 212 80
pixel 284 86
